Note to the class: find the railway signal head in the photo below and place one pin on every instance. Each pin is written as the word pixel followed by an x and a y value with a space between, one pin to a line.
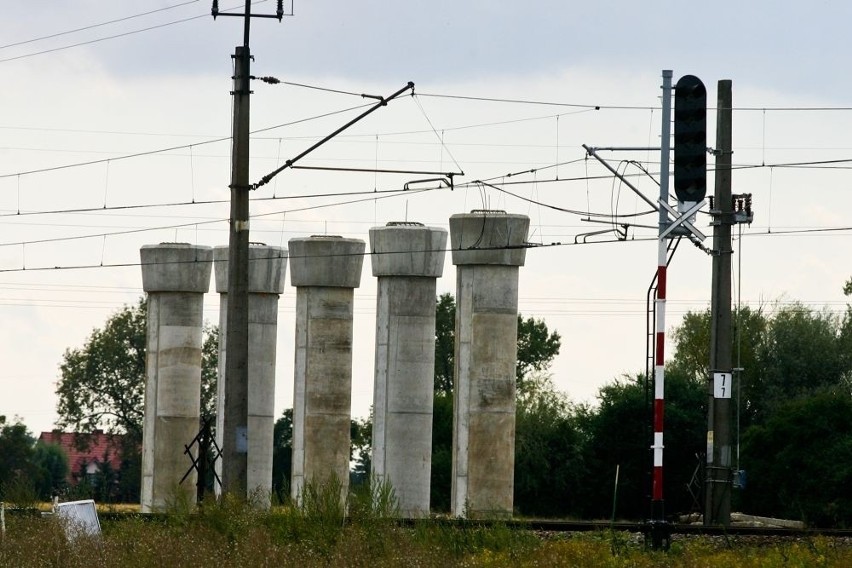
pixel 690 139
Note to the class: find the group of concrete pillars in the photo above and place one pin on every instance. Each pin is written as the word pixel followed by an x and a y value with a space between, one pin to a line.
pixel 407 258
pixel 176 276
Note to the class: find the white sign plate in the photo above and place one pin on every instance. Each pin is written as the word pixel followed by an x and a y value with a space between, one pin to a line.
pixel 722 384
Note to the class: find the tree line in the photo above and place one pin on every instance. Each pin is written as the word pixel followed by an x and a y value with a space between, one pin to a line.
pixel 793 426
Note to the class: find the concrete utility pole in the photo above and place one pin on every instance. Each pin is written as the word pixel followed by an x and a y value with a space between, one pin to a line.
pixel 717 504
pixel 235 424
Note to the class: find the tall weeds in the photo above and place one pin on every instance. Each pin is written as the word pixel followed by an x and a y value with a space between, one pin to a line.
pixel 320 529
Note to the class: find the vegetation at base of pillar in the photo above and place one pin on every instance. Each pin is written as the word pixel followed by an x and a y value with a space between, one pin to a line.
pixel 102 387
pixel 318 534
pixel 360 435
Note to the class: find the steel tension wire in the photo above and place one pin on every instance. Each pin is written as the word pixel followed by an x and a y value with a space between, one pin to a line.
pixel 289 163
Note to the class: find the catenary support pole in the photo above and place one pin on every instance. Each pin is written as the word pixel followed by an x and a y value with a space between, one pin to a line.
pixel 235 423
pixel 267 267
pixel 717 506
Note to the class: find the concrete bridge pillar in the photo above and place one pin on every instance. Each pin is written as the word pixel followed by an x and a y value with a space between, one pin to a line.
pixel 325 271
pixel 488 249
pixel 407 258
pixel 175 276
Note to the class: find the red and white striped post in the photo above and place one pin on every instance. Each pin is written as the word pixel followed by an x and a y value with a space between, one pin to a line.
pixel 660 534
pixel 659 384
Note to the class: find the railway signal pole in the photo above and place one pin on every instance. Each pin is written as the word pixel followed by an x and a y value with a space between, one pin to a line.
pixel 659 530
pixel 235 424
pixel 718 475
pixel 690 171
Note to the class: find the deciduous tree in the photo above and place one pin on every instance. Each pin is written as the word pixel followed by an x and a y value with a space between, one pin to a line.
pixel 102 386
pixel 16 453
pixel 537 345
pixel 799 461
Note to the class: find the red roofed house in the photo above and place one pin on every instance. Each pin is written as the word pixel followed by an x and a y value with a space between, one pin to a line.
pixel 86 452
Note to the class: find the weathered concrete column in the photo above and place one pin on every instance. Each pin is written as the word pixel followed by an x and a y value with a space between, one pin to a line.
pixel 325 270
pixel 267 267
pixel 485 359
pixel 406 258
pixel 175 276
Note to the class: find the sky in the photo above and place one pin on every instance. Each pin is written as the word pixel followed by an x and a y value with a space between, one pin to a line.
pixel 116 116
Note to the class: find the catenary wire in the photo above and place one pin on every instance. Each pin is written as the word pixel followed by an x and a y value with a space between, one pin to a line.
pixel 365 253
pixel 387 194
pixel 563 209
pixel 101 24
pixel 181 147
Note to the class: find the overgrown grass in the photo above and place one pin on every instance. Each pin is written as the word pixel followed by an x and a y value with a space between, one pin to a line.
pixel 317 533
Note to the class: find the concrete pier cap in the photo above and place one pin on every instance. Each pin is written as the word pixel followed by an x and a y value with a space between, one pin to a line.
pixel 176 267
pixel 267 269
pixel 326 260
pixel 407 249
pixel 489 236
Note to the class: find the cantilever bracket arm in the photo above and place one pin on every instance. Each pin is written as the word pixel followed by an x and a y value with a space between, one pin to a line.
pixel 448 181
pixel 289 163
pixel 592 152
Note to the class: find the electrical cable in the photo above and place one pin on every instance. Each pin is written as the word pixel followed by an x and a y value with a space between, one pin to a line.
pixel 92 26
pixel 563 209
pixel 313 87
pixel 273 198
pixel 181 147
pixel 585 107
pixel 392 193
pixel 365 253
pixel 438 136
pixel 190 203
pixel 623 107
pixel 89 42
pixel 116 36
